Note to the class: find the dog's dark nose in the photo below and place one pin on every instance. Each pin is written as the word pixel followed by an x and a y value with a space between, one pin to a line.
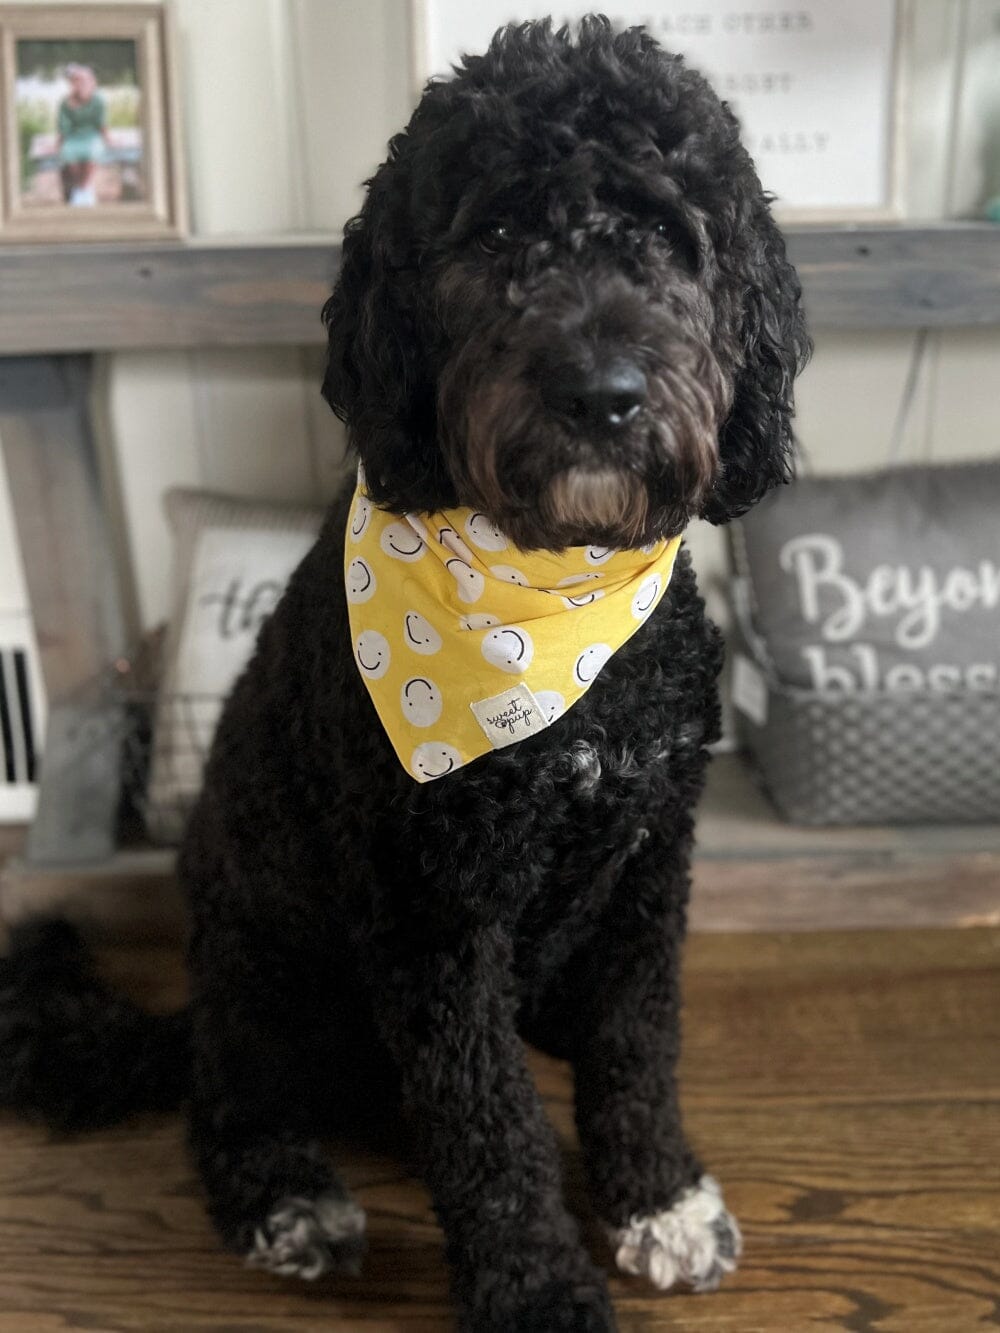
pixel 609 396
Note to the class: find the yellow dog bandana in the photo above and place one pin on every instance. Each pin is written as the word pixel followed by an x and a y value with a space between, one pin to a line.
pixel 468 644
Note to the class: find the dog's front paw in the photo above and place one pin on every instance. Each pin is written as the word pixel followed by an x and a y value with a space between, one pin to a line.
pixel 695 1242
pixel 309 1237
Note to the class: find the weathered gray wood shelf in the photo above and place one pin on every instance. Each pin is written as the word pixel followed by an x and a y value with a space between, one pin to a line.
pixel 903 277
pixel 102 298
pixel 115 297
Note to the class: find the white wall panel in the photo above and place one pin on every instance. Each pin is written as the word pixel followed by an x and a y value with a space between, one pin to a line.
pixel 930 45
pixel 964 420
pixel 251 425
pixel 151 403
pixel 976 171
pixel 243 167
pixel 848 397
pixel 353 63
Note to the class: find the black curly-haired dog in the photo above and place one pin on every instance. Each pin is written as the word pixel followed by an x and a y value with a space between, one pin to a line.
pixel 564 303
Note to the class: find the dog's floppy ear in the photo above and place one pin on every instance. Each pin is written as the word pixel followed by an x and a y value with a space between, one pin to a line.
pixel 756 442
pixel 376 379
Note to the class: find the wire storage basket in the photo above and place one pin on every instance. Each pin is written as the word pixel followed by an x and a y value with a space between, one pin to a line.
pixel 164 758
pixel 914 756
pixel 150 744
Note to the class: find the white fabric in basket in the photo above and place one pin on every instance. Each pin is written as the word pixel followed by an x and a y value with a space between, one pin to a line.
pixel 233 559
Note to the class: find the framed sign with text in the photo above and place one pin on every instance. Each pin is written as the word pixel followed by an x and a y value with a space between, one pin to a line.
pixel 816 83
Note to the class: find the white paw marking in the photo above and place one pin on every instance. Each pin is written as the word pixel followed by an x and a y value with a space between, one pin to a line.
pixel 309 1237
pixel 696 1242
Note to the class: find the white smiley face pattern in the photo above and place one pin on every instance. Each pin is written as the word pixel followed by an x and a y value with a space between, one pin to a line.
pixel 571 580
pixel 402 542
pixel 438 627
pixel 449 538
pixel 360 581
pixel 484 534
pixel 509 574
pixel 509 648
pixel 589 663
pixel 599 555
pixel 646 597
pixel 420 635
pixel 582 598
pixel 434 759
pixel 372 652
pixel 551 703
pixel 470 582
pixel 361 513
pixel 420 700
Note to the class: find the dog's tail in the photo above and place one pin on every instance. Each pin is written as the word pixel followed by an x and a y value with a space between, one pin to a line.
pixel 73 1054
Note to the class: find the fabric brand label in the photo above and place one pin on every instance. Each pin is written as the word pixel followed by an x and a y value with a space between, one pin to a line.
pixel 510 716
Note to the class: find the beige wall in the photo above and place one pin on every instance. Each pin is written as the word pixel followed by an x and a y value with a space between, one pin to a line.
pixel 318 87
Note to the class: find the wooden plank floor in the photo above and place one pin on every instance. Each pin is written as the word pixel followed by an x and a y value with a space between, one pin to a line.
pixel 845 1087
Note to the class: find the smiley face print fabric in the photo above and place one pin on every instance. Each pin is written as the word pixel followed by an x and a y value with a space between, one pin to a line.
pixel 467 644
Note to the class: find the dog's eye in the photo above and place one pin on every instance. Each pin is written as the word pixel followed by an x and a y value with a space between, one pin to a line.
pixel 683 247
pixel 495 238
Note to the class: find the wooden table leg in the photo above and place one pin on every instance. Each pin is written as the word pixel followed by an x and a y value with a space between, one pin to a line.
pixel 76 595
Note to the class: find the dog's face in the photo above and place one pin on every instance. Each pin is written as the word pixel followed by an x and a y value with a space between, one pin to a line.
pixel 582 373
pixel 565 303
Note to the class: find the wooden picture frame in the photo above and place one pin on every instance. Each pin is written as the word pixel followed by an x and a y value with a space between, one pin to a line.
pixel 426 62
pixel 101 182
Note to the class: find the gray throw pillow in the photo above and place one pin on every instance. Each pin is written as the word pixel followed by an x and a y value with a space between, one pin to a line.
pixel 886 581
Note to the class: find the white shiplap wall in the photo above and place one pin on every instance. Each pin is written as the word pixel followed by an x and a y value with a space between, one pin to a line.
pixel 287 107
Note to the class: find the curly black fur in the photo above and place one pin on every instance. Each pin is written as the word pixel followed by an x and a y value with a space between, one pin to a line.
pixel 362 945
pixel 74 1054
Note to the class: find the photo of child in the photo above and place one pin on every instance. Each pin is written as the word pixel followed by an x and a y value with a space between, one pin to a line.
pixel 79 123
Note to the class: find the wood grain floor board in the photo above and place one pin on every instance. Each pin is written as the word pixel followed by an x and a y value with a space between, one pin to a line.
pixel 844 1086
